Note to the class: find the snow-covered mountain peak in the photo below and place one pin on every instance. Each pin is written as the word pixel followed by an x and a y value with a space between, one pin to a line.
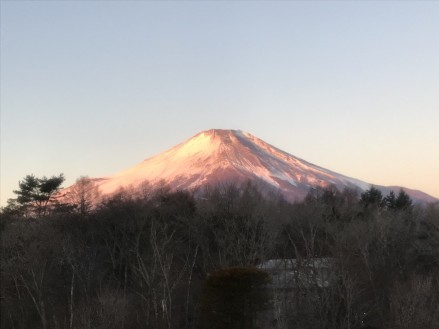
pixel 219 156
pixel 215 144
pixel 210 140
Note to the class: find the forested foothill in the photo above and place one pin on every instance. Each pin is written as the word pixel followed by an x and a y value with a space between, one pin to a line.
pixel 226 257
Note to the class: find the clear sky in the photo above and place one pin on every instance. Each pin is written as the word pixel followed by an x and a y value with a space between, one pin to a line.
pixel 94 87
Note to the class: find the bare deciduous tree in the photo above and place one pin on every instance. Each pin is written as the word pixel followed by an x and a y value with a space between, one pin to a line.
pixel 84 194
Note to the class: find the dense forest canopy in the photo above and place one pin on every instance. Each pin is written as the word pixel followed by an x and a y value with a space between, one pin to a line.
pixel 172 259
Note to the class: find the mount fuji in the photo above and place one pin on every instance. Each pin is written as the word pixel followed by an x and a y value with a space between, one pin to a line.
pixel 220 156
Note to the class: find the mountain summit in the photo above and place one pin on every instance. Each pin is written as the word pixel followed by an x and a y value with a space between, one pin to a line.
pixel 218 156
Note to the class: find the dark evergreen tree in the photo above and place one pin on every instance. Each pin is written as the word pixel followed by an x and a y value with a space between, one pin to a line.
pixel 372 197
pixel 35 194
pixel 390 201
pixel 403 201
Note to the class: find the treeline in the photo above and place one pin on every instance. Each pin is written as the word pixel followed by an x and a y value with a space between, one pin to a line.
pixel 142 260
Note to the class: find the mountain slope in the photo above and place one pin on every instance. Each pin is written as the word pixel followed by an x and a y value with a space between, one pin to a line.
pixel 217 156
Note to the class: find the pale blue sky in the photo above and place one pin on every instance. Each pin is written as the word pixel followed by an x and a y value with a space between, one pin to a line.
pixel 94 87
